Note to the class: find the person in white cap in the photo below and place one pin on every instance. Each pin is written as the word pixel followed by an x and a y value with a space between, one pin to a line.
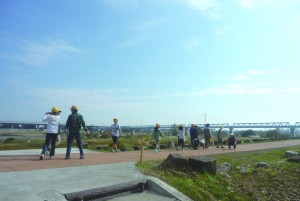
pixel 231 141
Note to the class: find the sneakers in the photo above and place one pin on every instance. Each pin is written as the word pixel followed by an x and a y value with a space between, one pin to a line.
pixel 82 157
pixel 114 150
pixel 156 151
pixel 67 158
pixel 42 157
pixel 51 157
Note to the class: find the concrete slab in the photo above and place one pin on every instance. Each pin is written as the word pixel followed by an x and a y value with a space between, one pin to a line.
pixel 145 196
pixel 51 184
pixel 24 177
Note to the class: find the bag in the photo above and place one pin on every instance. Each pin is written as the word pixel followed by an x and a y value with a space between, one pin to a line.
pixel 195 143
pixel 76 121
pixel 58 140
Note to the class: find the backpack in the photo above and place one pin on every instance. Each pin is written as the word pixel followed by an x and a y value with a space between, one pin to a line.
pixel 76 121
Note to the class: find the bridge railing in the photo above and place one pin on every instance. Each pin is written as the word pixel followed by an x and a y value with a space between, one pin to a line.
pixel 39 125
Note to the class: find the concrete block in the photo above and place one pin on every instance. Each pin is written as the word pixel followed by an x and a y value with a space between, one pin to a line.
pixel 101 147
pixel 290 154
pixel 175 161
pixel 261 165
pixel 203 164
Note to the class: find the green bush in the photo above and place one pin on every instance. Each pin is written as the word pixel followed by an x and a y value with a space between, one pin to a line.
pixel 9 140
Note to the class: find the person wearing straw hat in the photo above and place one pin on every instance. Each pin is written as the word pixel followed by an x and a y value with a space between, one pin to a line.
pixel 220 135
pixel 156 135
pixel 74 123
pixel 52 118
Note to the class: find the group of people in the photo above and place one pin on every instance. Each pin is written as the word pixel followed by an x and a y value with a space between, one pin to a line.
pixel 74 124
pixel 231 141
pixel 194 136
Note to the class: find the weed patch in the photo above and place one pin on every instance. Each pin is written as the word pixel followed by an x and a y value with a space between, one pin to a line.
pixel 278 181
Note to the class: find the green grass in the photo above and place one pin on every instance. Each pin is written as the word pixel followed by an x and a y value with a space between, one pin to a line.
pixel 34 139
pixel 280 181
pixel 13 143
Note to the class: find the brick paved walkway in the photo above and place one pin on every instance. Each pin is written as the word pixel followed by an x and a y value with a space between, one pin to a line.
pixel 31 162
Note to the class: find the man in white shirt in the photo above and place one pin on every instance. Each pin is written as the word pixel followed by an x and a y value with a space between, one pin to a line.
pixel 52 118
pixel 115 133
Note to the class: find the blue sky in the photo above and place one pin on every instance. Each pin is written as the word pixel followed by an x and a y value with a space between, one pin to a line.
pixel 148 61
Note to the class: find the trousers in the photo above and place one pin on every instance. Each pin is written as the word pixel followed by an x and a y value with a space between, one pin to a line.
pixel 70 139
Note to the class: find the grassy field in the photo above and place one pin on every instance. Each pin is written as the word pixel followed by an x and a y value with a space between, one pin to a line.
pixel 280 181
pixel 34 139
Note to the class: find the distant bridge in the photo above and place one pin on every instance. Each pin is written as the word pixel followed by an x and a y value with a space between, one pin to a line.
pixel 231 127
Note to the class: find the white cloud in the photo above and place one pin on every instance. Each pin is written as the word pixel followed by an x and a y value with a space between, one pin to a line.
pixel 192 43
pixel 208 8
pixel 261 72
pixel 149 25
pixel 201 4
pixel 246 3
pixel 37 53
pixel 256 72
pixel 237 90
pixel 90 99
pixel 120 4
pixel 238 78
pixel 131 42
pixel 247 74
pixel 223 30
pixel 142 31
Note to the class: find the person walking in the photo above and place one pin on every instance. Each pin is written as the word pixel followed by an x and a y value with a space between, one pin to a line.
pixel 192 134
pixel 207 136
pixel 181 137
pixel 74 123
pixel 156 135
pixel 220 135
pixel 58 140
pixel 115 133
pixel 52 118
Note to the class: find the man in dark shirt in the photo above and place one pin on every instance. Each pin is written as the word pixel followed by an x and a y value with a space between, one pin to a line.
pixel 220 135
pixel 74 123
pixel 207 136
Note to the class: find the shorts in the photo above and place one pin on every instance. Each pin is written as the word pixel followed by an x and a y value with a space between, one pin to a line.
pixel 115 139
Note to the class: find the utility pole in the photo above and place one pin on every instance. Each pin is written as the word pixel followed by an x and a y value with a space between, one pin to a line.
pixel 204 118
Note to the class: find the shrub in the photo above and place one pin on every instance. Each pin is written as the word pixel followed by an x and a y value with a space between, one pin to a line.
pixel 9 140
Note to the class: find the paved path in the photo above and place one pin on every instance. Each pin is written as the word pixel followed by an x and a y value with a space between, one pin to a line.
pixel 13 163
